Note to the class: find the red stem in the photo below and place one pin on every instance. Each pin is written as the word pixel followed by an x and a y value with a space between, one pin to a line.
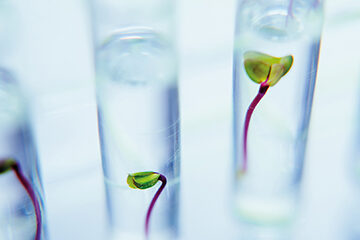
pixel 32 195
pixel 162 178
pixel 263 88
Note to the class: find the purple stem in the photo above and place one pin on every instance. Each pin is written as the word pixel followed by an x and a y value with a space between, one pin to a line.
pixel 162 178
pixel 31 193
pixel 290 11
pixel 263 88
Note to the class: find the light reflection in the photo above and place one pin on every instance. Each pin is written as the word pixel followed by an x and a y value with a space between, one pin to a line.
pixel 351 226
pixel 254 232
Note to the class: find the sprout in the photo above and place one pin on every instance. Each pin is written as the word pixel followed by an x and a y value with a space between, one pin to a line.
pixel 11 164
pixel 145 180
pixel 6 165
pixel 265 70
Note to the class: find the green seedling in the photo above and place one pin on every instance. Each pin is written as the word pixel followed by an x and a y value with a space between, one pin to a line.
pixel 9 164
pixel 265 70
pixel 145 180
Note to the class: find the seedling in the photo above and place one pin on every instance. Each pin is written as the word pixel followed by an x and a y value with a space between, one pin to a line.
pixel 265 70
pixel 145 180
pixel 10 164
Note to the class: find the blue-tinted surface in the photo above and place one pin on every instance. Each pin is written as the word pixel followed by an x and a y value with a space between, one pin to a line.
pixel 66 109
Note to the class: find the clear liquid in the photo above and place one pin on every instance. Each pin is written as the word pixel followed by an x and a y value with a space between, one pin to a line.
pixel 139 131
pixel 17 215
pixel 128 208
pixel 267 193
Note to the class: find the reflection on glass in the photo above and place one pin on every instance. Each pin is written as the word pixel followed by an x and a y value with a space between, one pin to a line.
pixel 276 52
pixel 252 232
pixel 21 202
pixel 138 116
pixel 139 128
pixel 350 226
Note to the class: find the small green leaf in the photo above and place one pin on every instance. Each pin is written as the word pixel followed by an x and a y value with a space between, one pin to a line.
pixel 142 180
pixel 261 67
pixel 6 165
pixel 256 70
pixel 275 74
pixel 130 182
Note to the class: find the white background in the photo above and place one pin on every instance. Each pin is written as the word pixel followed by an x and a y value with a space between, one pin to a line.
pixel 58 68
